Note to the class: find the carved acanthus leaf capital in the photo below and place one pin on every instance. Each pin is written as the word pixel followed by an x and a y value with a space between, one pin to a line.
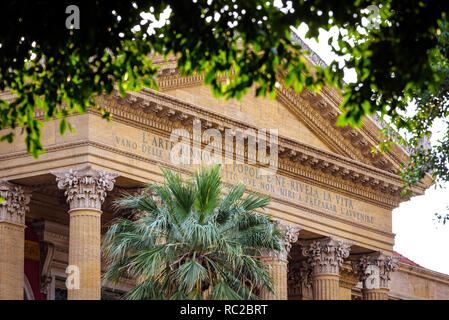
pixel 326 255
pixel 86 187
pixel 15 204
pixel 375 269
pixel 291 233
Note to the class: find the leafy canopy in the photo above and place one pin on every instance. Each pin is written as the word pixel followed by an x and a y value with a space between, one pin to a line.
pixel 429 109
pixel 194 243
pixel 60 71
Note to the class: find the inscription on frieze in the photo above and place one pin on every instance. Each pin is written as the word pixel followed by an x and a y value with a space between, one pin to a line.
pixel 147 144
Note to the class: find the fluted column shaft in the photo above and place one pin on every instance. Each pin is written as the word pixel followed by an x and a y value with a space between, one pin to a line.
pixel 277 268
pixel 12 240
pixel 325 258
pixel 326 287
pixel 375 294
pixel 277 263
pixel 85 189
pixel 84 252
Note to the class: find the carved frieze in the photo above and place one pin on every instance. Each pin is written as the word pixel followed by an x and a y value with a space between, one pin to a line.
pixel 15 204
pixel 85 187
pixel 296 158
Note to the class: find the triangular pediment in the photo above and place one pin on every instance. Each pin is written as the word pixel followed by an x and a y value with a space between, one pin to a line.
pixel 306 117
pixel 179 106
pixel 257 112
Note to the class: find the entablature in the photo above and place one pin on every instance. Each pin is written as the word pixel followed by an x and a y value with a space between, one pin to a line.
pixel 161 111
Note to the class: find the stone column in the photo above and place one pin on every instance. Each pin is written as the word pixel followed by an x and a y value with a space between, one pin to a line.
pixel 348 280
pixel 12 240
pixel 325 257
pixel 374 272
pixel 276 263
pixel 85 189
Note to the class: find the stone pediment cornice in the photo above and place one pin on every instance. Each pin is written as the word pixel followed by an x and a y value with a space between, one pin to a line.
pixel 319 113
pixel 296 158
pixel 357 143
pixel 371 126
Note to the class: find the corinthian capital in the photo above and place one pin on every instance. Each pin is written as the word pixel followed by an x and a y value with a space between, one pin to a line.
pixel 374 269
pixel 16 202
pixel 291 233
pixel 325 256
pixel 85 187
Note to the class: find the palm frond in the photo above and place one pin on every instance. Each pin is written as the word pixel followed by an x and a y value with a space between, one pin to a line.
pixel 226 209
pixel 222 291
pixel 208 185
pixel 254 201
pixel 146 290
pixel 140 203
pixel 192 241
pixel 190 274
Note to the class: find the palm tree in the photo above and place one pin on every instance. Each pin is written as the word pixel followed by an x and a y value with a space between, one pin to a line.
pixel 194 244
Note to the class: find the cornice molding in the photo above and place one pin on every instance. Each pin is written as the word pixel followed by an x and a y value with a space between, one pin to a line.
pixel 150 110
pixel 424 273
pixel 299 157
pixel 300 172
pixel 346 141
pixel 370 126
pixel 319 113
pixel 161 111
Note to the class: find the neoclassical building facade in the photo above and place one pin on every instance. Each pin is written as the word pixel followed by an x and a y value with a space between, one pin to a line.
pixel 332 197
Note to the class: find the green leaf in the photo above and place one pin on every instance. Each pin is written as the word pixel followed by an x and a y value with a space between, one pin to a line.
pixel 62 126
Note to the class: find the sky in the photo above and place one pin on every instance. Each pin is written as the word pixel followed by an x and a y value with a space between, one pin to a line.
pixel 419 236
